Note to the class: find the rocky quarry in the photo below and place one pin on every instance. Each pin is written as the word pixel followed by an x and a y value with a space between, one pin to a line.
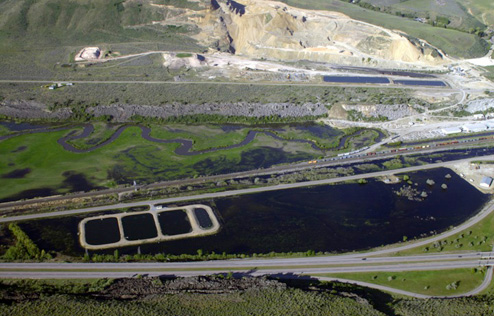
pixel 273 30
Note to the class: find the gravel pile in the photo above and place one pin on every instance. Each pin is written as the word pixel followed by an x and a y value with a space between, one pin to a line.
pixel 392 112
pixel 479 105
pixel 31 110
pixel 127 288
pixel 123 112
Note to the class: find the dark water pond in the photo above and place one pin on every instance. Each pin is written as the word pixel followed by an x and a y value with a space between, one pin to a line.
pixel 174 222
pixel 355 79
pixel 203 218
pixel 102 231
pixel 140 226
pixel 322 131
pixel 325 218
pixel 18 127
pixel 434 83
pixel 17 173
pixel 385 72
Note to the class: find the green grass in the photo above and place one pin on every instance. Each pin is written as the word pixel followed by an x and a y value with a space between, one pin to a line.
pixel 184 55
pixel 479 237
pixel 422 282
pixel 132 158
pixel 4 130
pixel 35 36
pixel 452 42
pixel 204 137
pixel 489 72
pixel 482 9
pixel 455 11
pixel 101 133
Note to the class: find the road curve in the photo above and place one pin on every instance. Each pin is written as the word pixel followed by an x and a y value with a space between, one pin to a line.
pixel 374 286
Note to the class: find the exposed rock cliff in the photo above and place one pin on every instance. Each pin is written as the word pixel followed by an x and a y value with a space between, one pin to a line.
pixel 262 28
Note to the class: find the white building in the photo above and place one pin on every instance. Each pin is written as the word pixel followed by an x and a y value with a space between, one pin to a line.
pixel 478 117
pixel 451 130
pixel 474 128
pixel 486 182
pixel 490 124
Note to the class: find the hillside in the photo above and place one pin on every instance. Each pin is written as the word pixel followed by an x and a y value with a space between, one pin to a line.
pixel 35 34
pixel 451 41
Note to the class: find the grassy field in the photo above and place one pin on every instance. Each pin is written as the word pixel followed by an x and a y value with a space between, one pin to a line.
pixel 489 72
pixel 479 237
pixel 457 12
pixel 482 9
pixel 452 42
pixel 36 37
pixel 422 282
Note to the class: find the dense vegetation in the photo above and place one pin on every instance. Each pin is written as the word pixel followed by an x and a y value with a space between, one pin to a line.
pixel 24 248
pixel 299 298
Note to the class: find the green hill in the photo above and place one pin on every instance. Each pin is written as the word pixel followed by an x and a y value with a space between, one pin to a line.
pixel 37 34
pixel 457 43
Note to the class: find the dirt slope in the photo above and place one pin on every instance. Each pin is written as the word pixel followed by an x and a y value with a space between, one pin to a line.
pixel 262 28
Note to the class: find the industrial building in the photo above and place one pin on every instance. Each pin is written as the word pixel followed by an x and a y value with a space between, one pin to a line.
pixel 486 182
pixel 451 130
pixel 474 128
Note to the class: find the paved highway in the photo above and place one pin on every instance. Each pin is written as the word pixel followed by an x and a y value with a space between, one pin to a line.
pixel 336 260
pixel 81 270
pixel 245 267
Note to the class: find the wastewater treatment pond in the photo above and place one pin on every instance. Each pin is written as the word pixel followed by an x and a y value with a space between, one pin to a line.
pixel 155 225
pixel 332 218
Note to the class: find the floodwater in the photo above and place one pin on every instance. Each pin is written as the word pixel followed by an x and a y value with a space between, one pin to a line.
pixel 332 218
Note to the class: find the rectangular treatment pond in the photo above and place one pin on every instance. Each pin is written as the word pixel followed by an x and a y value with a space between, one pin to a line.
pixel 174 222
pixel 156 225
pixel 139 226
pixel 102 231
pixel 203 218
pixel 431 83
pixel 355 79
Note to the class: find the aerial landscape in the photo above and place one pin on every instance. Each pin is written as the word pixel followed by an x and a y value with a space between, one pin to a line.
pixel 248 157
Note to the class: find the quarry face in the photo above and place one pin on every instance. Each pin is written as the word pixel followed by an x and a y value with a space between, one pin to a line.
pixel 273 30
